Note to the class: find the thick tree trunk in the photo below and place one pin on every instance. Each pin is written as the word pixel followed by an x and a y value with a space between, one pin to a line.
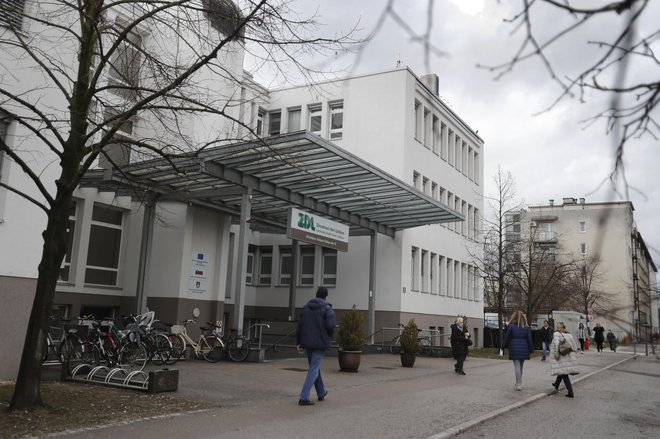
pixel 27 392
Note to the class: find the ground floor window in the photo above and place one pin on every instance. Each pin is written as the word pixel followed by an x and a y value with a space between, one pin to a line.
pixel 329 268
pixel 104 246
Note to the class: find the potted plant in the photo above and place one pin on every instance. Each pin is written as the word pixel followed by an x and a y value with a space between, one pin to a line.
pixel 409 344
pixel 350 340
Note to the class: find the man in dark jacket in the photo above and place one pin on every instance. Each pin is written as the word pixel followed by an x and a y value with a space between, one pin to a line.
pixel 315 328
pixel 459 344
pixel 546 337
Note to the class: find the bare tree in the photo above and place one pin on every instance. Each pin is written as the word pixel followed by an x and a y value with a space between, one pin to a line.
pixel 79 76
pixel 583 284
pixel 499 230
pixel 632 111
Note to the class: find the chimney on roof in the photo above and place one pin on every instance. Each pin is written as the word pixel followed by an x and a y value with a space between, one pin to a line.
pixel 552 202
pixel 581 200
pixel 432 82
pixel 569 200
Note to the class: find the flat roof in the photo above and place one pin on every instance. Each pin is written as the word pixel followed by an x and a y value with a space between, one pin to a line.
pixel 297 169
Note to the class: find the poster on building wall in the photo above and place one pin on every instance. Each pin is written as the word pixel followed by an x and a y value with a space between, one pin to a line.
pixel 198 279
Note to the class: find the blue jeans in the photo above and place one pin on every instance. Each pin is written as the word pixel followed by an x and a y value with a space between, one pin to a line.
pixel 546 348
pixel 314 358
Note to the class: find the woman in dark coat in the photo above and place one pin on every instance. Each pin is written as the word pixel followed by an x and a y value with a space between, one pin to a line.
pixel 518 339
pixel 459 343
pixel 599 337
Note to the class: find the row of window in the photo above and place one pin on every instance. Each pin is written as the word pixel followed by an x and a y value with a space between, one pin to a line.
pixel 104 248
pixel 261 268
pixel 436 135
pixel 437 274
pixel 468 228
pixel 274 122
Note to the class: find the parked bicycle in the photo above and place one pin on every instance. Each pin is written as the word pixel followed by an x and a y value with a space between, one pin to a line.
pixel 60 340
pixel 211 346
pixel 425 344
pixel 107 347
pixel 158 344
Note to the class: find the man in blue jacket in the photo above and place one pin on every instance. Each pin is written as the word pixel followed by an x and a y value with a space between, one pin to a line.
pixel 315 328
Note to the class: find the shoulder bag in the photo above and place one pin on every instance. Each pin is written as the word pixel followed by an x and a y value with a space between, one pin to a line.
pixel 564 348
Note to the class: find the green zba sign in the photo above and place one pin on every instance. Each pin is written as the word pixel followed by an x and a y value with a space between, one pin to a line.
pixel 306 222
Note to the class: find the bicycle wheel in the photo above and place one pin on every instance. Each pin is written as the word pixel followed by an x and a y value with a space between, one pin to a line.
pixel 211 349
pixel 83 353
pixel 395 345
pixel 162 349
pixel 67 346
pixel 133 356
pixel 178 348
pixel 238 349
pixel 425 347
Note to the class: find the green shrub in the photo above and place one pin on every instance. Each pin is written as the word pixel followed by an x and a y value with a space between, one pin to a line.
pixel 351 330
pixel 410 338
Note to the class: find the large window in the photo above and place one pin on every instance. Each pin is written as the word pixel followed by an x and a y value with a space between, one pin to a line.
pixel 294 120
pixel 104 246
pixel 315 119
pixel 329 268
pixel 11 13
pixel 265 266
pixel 286 265
pixel 65 271
pixel 274 122
pixel 125 65
pixel 261 114
pixel 336 120
pixel 306 266
pixel 546 232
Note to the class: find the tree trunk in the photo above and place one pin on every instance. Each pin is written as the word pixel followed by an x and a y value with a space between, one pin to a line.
pixel 27 392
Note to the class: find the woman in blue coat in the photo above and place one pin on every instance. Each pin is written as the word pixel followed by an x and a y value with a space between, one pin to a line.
pixel 518 339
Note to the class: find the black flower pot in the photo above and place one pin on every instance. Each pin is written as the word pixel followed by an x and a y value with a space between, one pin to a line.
pixel 408 359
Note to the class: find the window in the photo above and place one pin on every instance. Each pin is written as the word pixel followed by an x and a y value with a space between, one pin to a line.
pixel 265 266
pixel 306 266
pixel 414 269
pixel 476 167
pixel 118 150
pixel 286 265
pixel 11 13
pixel 294 120
pixel 261 114
pixel 104 246
pixel 435 130
pixel 427 128
pixel 546 232
pixel 443 141
pixel 424 271
pixel 434 274
pixel 315 119
pixel 125 65
pixel 583 248
pixel 336 120
pixel 425 185
pixel 416 180
pixel 451 148
pixel 224 16
pixel 274 122
pixel 70 232
pixel 583 226
pixel 329 268
pixel 249 267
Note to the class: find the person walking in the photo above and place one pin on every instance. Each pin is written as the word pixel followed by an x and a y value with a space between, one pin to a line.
pixel 459 339
pixel 599 338
pixel 518 340
pixel 315 328
pixel 564 365
pixel 546 337
pixel 611 339
pixel 581 334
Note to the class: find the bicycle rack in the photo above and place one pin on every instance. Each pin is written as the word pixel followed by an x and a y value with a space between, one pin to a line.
pixel 117 377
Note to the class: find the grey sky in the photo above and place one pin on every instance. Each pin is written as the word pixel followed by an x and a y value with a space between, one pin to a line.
pixel 551 155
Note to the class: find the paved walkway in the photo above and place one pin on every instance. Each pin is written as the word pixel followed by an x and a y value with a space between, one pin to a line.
pixel 382 400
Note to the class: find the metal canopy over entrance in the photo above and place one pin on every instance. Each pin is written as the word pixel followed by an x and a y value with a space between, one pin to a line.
pixel 299 169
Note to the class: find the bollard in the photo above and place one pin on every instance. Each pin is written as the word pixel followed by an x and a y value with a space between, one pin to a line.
pixel 164 380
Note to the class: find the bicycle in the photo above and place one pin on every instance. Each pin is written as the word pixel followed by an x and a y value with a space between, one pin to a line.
pixel 128 353
pixel 211 345
pixel 58 347
pixel 158 345
pixel 425 344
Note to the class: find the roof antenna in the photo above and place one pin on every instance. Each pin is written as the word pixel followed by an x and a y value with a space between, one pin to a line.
pixel 398 61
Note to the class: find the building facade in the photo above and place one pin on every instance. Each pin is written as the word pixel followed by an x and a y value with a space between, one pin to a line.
pixel 625 271
pixel 187 258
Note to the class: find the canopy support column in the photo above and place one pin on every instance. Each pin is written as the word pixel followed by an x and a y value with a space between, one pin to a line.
pixel 294 277
pixel 241 263
pixel 371 314
pixel 145 256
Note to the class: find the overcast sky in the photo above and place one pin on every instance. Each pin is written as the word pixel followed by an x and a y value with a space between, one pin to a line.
pixel 551 155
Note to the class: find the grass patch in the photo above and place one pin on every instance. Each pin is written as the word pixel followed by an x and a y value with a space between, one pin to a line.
pixel 68 406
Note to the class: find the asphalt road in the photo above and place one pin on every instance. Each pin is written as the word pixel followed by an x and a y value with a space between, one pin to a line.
pixel 620 402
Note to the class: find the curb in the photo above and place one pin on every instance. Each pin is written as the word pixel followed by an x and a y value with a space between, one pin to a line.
pixel 453 431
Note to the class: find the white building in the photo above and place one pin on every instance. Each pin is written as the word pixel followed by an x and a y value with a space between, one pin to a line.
pixel 627 273
pixel 379 153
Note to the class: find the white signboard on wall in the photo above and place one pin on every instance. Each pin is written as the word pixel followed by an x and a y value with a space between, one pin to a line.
pixel 198 279
pixel 314 229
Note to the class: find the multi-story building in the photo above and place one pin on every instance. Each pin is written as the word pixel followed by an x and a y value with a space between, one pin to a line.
pixel 396 172
pixel 625 272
